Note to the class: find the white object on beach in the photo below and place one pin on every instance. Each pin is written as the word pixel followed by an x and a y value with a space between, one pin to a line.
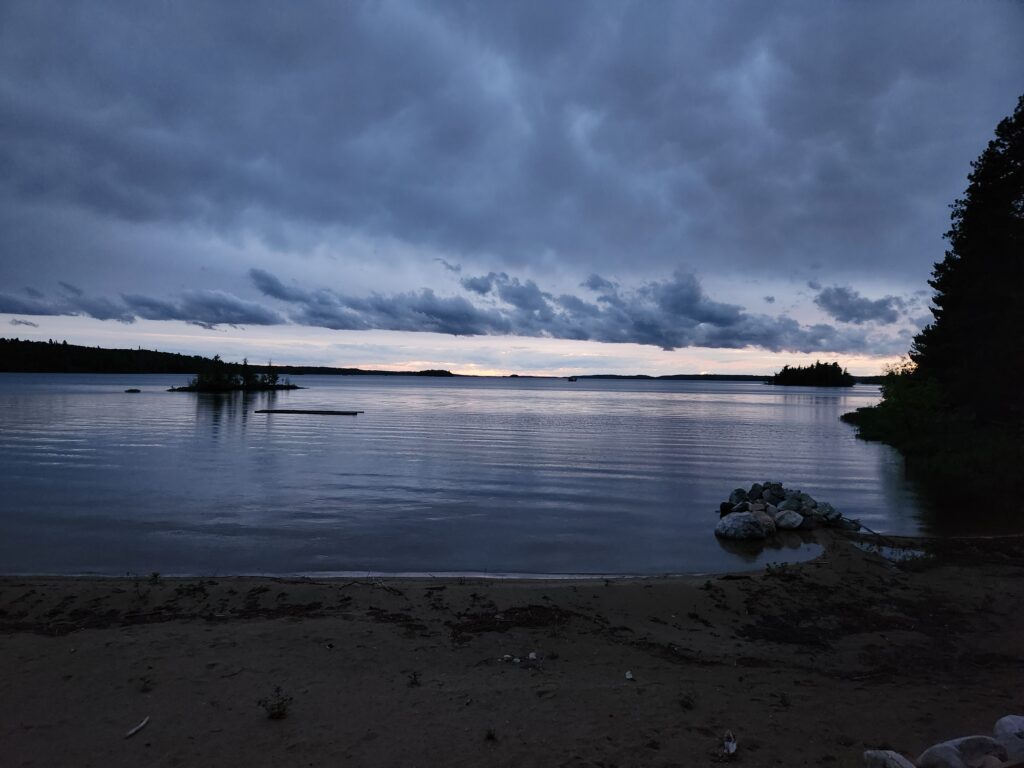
pixel 532 656
pixel 629 675
pixel 885 758
pixel 957 753
pixel 1011 725
pixel 729 743
pixel 1009 731
pixel 137 728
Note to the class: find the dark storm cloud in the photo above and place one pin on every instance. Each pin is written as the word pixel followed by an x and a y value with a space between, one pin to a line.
pixel 207 308
pixel 74 290
pixel 848 306
pixel 481 284
pixel 510 136
pixel 669 313
pixel 29 323
pixel 448 265
pixel 69 304
pixel 598 284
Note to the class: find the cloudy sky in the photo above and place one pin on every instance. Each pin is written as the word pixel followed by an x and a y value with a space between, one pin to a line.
pixel 491 186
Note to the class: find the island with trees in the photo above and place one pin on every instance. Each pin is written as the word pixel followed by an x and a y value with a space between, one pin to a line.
pixel 218 376
pixel 955 406
pixel 817 375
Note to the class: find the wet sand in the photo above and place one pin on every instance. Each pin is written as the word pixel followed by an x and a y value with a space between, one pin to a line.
pixel 806 664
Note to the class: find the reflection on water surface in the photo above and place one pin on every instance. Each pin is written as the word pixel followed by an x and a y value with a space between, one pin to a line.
pixel 500 475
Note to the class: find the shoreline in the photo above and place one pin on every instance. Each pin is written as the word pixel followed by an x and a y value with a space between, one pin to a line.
pixel 807 664
pixel 821 537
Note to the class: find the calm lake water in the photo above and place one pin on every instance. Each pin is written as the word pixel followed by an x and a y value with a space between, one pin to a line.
pixel 438 475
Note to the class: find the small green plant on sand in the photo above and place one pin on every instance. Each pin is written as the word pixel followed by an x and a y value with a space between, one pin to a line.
pixel 276 706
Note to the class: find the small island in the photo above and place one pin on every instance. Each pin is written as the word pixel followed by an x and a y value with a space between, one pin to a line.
pixel 817 375
pixel 218 377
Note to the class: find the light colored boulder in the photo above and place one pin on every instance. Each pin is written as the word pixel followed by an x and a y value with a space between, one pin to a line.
pixel 1009 732
pixel 961 753
pixel 792 503
pixel 787 520
pixel 885 758
pixel 765 520
pixel 941 756
pixel 741 526
pixel 772 511
pixel 1011 725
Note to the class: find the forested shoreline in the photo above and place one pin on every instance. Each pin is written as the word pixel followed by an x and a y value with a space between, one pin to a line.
pixel 955 406
pixel 24 356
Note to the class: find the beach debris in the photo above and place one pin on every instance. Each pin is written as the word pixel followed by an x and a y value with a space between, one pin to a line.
pixel 507 657
pixel 137 728
pixel 729 744
pixel 276 706
pixel 885 758
pixel 532 656
pixel 629 675
pixel 769 507
pixel 958 753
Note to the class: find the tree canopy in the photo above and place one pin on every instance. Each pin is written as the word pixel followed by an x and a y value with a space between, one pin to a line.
pixel 817 375
pixel 974 348
pixel 955 408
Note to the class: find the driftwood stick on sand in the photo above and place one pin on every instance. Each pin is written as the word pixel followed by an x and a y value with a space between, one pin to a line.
pixel 137 728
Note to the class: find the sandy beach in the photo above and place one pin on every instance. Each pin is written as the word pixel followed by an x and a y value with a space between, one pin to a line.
pixel 806 664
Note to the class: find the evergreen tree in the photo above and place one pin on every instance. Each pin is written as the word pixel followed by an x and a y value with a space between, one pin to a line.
pixel 973 350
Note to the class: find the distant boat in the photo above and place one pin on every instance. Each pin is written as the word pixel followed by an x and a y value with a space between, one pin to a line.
pixel 571 378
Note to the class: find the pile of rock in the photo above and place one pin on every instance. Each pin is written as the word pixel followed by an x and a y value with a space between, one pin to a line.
pixel 768 507
pixel 1004 748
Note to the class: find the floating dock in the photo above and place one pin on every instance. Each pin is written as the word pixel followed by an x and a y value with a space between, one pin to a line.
pixel 314 413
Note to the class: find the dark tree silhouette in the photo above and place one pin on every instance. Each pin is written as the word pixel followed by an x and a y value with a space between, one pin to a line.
pixel 955 409
pixel 817 375
pixel 974 348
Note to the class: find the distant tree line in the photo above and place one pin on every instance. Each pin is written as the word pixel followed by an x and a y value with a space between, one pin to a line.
pixel 817 375
pixel 23 356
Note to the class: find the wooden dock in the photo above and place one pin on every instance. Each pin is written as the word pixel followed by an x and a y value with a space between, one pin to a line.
pixel 313 413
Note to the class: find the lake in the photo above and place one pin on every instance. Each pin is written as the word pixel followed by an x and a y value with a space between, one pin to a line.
pixel 439 475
